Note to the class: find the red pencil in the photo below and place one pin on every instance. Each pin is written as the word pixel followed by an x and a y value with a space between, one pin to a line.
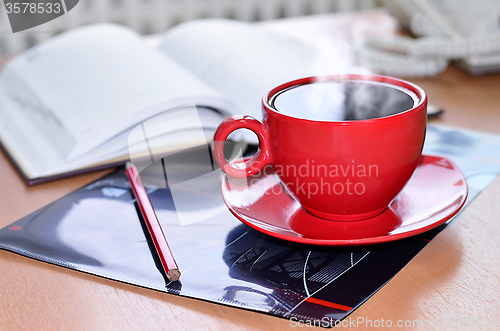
pixel 154 227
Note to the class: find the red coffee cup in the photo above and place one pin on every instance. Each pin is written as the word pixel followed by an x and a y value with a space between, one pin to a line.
pixel 344 170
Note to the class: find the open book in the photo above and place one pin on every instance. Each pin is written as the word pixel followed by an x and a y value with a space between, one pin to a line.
pixel 67 106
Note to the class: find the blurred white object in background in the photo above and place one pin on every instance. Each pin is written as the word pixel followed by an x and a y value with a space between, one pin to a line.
pixel 448 30
pixel 155 16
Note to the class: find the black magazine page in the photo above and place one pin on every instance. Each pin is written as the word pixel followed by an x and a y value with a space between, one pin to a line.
pixel 98 229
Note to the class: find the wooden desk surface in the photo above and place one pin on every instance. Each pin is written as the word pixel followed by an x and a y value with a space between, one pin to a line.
pixel 456 275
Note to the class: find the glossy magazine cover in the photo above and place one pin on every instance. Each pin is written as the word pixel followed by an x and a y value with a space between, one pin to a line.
pixel 98 229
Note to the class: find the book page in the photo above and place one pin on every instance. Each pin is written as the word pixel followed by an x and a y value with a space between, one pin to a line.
pixel 84 87
pixel 183 132
pixel 239 60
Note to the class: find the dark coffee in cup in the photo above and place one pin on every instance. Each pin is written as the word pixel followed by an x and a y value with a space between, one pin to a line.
pixel 343 101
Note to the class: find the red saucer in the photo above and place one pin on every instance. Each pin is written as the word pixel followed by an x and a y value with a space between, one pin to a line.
pixel 435 193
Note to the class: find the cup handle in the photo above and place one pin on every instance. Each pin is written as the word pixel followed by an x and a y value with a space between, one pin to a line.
pixel 257 162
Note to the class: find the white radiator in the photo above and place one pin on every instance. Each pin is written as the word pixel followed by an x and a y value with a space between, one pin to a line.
pixel 155 16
